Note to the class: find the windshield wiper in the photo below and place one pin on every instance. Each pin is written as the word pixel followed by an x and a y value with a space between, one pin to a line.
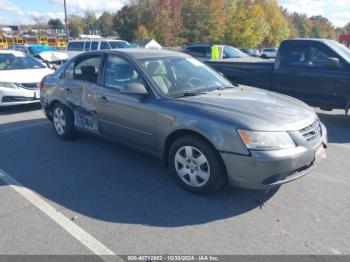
pixel 227 87
pixel 190 94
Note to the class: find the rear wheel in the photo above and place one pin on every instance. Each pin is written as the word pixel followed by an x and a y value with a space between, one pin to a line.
pixel 63 122
pixel 196 165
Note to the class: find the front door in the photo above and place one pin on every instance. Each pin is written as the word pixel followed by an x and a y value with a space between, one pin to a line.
pixel 129 119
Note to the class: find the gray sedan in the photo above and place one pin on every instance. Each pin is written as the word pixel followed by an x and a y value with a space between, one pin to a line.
pixel 207 130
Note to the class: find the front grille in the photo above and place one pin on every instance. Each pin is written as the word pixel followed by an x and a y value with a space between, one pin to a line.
pixel 29 86
pixel 313 132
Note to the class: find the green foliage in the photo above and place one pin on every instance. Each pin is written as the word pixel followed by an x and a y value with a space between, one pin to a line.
pixel 322 28
pixel 246 25
pixel 278 25
pixel 126 21
pixel 105 24
pixel 75 25
pixel 142 33
pixel 55 24
pixel 167 25
pixel 241 23
pixel 90 23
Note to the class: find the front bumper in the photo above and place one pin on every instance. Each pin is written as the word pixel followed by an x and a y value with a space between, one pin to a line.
pixel 20 96
pixel 268 169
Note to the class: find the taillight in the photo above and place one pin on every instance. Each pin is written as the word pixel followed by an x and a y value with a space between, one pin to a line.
pixel 41 84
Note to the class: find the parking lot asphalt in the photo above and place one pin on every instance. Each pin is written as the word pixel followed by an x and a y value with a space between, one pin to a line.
pixel 131 205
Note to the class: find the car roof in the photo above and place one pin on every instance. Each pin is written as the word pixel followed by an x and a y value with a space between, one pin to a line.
pixel 198 45
pixel 97 40
pixel 139 53
pixel 16 53
pixel 309 39
pixel 26 45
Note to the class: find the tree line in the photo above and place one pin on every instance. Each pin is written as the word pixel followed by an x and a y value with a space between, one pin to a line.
pixel 241 23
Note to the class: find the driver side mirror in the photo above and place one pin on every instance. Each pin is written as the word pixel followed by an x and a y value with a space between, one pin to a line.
pixel 135 88
pixel 333 63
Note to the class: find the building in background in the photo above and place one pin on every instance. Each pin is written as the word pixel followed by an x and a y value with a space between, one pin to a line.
pixel 345 39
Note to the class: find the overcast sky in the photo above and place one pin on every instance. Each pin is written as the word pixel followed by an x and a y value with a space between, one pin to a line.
pixel 21 11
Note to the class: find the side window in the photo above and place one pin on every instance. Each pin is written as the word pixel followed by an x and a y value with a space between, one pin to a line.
pixel 75 46
pixel 104 45
pixel 87 46
pixel 120 72
pixel 86 68
pixel 94 46
pixel 68 73
pixel 319 57
pixel 199 51
pixel 298 56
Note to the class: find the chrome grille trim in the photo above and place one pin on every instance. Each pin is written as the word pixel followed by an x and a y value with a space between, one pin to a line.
pixel 312 133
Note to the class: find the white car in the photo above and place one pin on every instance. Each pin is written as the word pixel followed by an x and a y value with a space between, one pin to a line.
pixel 20 77
pixel 268 53
pixel 76 47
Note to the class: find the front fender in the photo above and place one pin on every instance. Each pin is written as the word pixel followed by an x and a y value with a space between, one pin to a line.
pixel 223 137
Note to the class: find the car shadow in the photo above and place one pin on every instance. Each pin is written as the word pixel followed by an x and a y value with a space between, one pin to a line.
pixel 93 177
pixel 338 127
pixel 19 109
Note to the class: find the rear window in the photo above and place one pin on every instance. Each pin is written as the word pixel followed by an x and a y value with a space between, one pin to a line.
pixel 75 46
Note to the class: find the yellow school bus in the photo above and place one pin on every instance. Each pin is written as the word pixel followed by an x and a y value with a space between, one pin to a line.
pixel 3 42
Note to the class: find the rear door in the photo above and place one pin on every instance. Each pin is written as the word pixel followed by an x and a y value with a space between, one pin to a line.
pixel 302 71
pixel 129 119
pixel 78 82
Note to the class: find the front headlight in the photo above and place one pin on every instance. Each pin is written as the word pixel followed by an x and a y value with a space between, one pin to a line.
pixel 263 141
pixel 8 85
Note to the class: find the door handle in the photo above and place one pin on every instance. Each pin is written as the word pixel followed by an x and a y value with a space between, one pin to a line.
pixel 103 99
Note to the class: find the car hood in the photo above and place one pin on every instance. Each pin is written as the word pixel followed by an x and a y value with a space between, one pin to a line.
pixel 255 109
pixel 24 75
pixel 53 56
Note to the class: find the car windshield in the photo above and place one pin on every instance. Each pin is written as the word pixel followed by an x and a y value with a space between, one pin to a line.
pixel 340 49
pixel 119 44
pixel 35 50
pixel 18 61
pixel 180 76
pixel 231 52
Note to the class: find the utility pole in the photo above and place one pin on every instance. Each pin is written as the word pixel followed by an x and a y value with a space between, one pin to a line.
pixel 66 20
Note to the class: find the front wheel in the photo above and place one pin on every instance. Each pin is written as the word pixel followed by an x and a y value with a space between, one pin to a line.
pixel 63 122
pixel 196 165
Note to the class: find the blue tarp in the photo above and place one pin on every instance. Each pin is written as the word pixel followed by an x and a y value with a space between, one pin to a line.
pixel 37 49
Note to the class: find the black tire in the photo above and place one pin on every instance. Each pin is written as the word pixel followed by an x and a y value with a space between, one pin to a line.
pixel 217 173
pixel 68 131
pixel 264 57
